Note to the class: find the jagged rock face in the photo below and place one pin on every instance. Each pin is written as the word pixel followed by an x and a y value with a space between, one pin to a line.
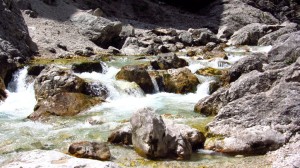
pixel 93 150
pixel 61 93
pixel 258 112
pixel 15 44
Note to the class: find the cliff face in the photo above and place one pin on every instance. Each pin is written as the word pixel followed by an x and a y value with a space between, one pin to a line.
pixel 15 42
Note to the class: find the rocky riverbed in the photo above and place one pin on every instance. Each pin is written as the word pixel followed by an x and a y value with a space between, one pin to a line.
pixel 149 83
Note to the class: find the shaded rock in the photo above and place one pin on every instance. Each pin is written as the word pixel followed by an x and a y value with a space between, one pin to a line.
pixel 203 36
pixel 23 4
pixel 51 158
pixel 85 53
pixel 137 74
pixel 270 38
pixel 180 80
pixel 250 34
pixel 96 89
pixel 3 94
pixel 122 136
pixel 101 31
pixel 92 150
pixel 186 38
pixel 87 67
pixel 35 70
pixel 127 31
pixel 164 32
pixel 98 12
pixel 164 62
pixel 213 86
pixel 192 135
pixel 31 13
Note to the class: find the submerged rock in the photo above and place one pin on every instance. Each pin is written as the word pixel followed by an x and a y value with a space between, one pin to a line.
pixel 92 150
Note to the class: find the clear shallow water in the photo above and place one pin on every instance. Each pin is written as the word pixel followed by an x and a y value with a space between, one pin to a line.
pixel 19 134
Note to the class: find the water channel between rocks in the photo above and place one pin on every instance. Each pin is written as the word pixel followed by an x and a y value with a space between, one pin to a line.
pixel 18 134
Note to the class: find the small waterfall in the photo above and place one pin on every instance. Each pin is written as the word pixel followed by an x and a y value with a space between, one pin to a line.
pixel 21 98
pixel 104 67
pixel 156 88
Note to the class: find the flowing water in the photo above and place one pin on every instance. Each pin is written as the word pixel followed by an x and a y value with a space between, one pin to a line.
pixel 19 134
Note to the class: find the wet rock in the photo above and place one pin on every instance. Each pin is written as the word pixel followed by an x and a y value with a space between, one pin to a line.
pixel 51 158
pixel 122 136
pixel 152 139
pixel 96 89
pixel 92 150
pixel 168 61
pixel 101 31
pixel 2 90
pixel 250 34
pixel 87 67
pixel 180 80
pixel 137 74
pixel 60 93
pixel 209 72
pixel 35 70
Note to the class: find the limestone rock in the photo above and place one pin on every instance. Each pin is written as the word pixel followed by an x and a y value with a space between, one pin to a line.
pixel 93 150
pixel 137 74
pixel 168 61
pixel 121 136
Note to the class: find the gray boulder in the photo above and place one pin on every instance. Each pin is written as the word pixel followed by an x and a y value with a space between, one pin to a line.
pixel 250 34
pixel 168 61
pixel 270 38
pixel 149 134
pixel 121 136
pixel 153 139
pixel 60 93
pixel 203 36
pixel 101 31
pixel 186 38
pixel 92 150
pixel 285 51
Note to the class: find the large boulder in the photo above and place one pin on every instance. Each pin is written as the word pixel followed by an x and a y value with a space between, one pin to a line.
pixel 60 93
pixel 152 139
pixel 168 61
pixel 101 31
pixel 137 74
pixel 285 51
pixel 149 134
pixel 259 112
pixel 250 34
pixel 270 38
pixel 92 150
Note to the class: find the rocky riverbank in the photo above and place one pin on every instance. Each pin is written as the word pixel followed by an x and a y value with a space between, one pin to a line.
pixel 254 103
